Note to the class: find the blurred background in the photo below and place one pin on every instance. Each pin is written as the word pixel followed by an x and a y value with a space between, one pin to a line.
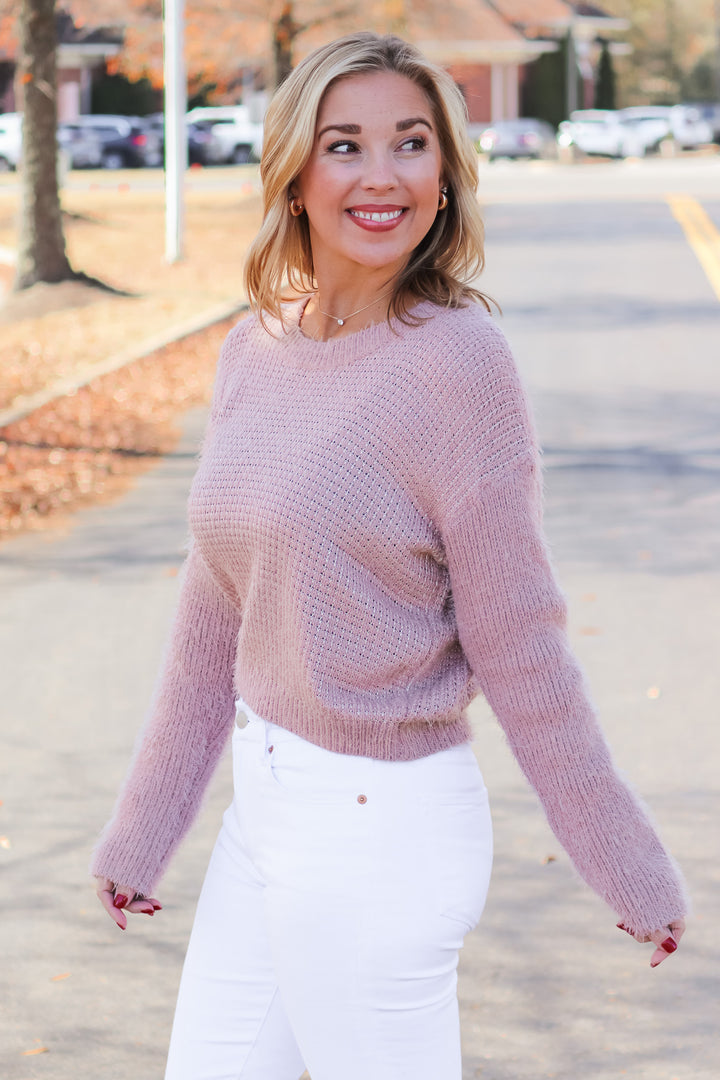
pixel 129 193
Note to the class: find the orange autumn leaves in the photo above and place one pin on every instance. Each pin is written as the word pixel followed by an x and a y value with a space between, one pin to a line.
pixel 222 37
pixel 225 40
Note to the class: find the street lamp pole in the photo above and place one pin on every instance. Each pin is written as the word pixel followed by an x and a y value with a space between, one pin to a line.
pixel 175 132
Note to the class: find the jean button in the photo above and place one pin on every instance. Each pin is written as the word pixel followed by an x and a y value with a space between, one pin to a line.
pixel 241 719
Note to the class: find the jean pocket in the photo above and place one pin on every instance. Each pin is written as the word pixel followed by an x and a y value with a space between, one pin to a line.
pixel 301 771
pixel 462 844
pixel 451 778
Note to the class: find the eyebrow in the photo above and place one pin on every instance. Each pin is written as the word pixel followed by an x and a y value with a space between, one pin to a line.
pixel 355 129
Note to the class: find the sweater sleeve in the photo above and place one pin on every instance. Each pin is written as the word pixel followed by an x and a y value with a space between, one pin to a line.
pixel 511 622
pixel 189 720
pixel 178 750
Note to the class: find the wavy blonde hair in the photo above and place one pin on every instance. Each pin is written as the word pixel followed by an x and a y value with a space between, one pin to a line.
pixel 448 257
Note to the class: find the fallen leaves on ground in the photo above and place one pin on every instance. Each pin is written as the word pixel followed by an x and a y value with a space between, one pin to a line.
pixel 90 444
pixel 49 332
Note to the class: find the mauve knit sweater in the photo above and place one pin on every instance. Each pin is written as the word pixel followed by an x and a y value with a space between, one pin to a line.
pixel 367 555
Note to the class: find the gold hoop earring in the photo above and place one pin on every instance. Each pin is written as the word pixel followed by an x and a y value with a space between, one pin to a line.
pixel 296 207
pixel 443 201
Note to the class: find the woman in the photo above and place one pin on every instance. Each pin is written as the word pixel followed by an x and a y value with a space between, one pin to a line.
pixel 367 556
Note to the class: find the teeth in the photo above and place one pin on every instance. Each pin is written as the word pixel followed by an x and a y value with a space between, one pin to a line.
pixel 390 215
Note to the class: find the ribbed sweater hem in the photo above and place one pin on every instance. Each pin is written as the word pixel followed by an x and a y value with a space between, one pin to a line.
pixel 362 736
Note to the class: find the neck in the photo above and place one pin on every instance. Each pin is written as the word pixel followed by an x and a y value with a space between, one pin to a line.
pixel 335 312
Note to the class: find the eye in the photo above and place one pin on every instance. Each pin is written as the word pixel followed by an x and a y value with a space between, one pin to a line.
pixel 342 147
pixel 414 144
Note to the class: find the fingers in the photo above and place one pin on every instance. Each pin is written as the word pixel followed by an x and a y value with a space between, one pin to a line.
pixel 666 940
pixel 677 928
pixel 144 905
pixel 105 890
pixel 119 899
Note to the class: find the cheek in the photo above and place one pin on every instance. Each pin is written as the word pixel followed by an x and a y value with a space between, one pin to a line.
pixel 321 184
pixel 429 197
pixel 428 186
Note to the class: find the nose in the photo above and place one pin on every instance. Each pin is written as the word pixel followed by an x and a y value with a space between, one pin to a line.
pixel 379 173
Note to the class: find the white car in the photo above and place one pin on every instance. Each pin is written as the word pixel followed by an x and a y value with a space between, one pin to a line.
pixel 600 131
pixel 83 148
pixel 10 140
pixel 685 124
pixel 238 137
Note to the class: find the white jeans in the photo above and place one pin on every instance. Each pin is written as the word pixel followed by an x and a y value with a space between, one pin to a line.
pixel 328 928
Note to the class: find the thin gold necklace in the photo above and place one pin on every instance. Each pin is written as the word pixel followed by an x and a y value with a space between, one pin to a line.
pixel 341 322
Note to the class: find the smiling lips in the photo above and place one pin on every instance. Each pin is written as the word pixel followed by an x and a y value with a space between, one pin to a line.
pixel 377 218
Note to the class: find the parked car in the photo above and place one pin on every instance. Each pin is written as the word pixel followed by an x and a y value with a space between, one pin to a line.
pixel 647 129
pixel 10 140
pixel 601 132
pixel 204 147
pixel 127 141
pixel 520 138
pixel 83 147
pixel 684 124
pixel 239 138
pixel 710 113
pixel 689 127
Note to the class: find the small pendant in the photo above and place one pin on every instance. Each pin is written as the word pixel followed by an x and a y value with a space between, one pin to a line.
pixel 341 322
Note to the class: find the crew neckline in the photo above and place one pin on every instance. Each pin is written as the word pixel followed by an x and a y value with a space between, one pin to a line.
pixel 303 351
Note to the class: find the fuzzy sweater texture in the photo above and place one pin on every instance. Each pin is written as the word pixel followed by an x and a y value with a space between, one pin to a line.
pixel 366 556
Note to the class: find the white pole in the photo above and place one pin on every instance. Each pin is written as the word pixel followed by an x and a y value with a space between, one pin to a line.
pixel 175 133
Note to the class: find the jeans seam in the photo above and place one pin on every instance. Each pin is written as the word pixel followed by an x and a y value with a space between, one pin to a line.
pixel 263 1022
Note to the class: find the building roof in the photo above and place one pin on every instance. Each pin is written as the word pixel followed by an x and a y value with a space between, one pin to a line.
pixel 70 33
pixel 458 20
pixel 541 16
pixel 449 32
pixel 534 13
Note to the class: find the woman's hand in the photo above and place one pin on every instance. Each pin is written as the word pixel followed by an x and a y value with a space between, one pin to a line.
pixel 667 940
pixel 117 899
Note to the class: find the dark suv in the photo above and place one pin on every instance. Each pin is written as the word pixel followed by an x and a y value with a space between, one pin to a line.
pixel 127 141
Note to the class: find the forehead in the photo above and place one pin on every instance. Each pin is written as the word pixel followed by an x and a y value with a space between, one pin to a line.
pixel 377 95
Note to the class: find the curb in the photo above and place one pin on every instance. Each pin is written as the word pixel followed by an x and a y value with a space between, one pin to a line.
pixel 23 406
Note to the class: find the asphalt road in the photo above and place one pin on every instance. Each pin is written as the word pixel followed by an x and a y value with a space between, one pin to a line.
pixel 616 328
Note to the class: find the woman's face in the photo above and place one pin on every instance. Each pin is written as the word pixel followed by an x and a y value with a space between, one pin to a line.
pixel 372 184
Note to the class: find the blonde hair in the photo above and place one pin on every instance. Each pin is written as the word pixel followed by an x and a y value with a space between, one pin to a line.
pixel 448 257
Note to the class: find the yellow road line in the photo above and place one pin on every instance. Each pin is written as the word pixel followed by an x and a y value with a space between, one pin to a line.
pixel 700 233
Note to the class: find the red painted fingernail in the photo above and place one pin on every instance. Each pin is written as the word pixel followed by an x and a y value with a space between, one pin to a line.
pixel 622 926
pixel 120 901
pixel 149 912
pixel 669 945
pixel 157 907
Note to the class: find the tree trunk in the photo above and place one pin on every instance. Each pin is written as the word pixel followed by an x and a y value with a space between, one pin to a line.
pixel 285 30
pixel 41 254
